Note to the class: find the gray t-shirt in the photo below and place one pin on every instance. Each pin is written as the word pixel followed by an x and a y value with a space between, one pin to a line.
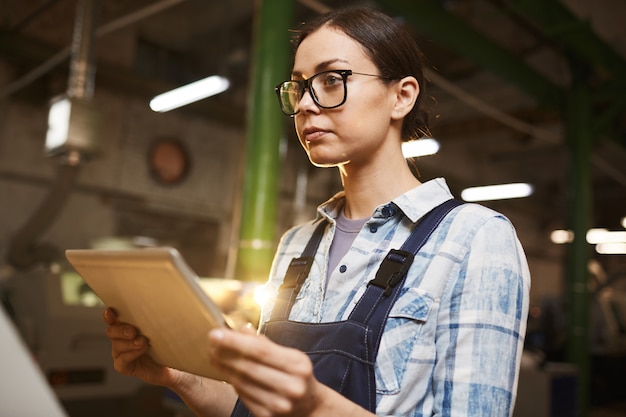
pixel 347 230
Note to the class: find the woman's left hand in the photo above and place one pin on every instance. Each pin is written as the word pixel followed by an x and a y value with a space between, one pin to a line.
pixel 271 380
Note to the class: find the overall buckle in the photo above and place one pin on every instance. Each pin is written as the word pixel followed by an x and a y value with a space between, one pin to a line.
pixel 393 268
pixel 297 272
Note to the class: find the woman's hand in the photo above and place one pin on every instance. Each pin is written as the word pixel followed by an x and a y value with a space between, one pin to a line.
pixel 205 397
pixel 271 380
pixel 129 347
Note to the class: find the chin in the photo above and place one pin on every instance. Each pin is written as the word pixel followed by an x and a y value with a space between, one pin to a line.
pixel 326 159
pixel 327 162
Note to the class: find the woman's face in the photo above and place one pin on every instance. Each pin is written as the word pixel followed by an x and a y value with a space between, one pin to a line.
pixel 355 132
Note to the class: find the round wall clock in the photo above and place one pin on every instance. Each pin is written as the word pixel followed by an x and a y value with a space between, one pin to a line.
pixel 168 161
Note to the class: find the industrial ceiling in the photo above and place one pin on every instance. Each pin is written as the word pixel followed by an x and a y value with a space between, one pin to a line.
pixel 503 75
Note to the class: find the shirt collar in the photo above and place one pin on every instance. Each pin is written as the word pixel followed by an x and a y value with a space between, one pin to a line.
pixel 414 203
pixel 420 200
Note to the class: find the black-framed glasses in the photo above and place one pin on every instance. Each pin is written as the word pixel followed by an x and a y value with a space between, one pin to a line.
pixel 329 89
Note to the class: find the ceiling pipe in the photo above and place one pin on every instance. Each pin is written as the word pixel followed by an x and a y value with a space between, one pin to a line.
pixel 24 250
pixel 430 17
pixel 556 22
pixel 491 111
pixel 60 57
pixel 82 69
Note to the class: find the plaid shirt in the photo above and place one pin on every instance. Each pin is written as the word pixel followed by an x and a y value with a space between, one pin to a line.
pixel 453 341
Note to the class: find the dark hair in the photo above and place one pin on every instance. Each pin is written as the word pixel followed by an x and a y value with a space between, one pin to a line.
pixel 390 47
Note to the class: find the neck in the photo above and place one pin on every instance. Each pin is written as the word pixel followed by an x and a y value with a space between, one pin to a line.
pixel 368 187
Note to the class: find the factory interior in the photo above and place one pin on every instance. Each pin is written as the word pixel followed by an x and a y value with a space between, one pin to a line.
pixel 521 91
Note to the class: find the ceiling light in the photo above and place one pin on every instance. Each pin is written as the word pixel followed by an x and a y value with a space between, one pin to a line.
pixel 611 248
pixel 420 147
pixel 189 93
pixel 497 192
pixel 596 236
pixel 562 236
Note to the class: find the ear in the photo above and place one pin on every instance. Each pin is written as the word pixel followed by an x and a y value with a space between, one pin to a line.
pixel 407 90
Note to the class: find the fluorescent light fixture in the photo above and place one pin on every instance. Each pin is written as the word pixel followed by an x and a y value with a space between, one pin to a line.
pixel 597 236
pixel 497 192
pixel 613 248
pixel 562 236
pixel 420 147
pixel 189 93
pixel 58 123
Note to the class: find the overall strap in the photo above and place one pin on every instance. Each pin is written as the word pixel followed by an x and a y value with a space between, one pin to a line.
pixel 384 289
pixel 296 274
pixel 391 272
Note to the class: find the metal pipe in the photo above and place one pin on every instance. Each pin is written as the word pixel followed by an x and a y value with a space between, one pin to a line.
pixel 63 54
pixel 432 18
pixel 491 111
pixel 24 250
pixel 82 70
pixel 264 130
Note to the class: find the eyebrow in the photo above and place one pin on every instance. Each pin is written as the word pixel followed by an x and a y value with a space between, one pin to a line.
pixel 320 67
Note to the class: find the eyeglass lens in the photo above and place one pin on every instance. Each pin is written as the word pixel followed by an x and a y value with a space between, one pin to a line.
pixel 327 89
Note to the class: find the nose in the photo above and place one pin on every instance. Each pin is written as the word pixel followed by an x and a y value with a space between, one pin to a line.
pixel 306 101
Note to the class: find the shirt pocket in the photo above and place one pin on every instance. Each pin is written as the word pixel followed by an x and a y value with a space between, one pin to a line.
pixel 407 342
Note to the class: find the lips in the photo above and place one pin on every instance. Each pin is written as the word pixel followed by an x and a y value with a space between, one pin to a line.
pixel 313 133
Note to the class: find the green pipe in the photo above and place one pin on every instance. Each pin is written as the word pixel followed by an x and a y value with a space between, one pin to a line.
pixel 257 235
pixel 579 142
pixel 430 17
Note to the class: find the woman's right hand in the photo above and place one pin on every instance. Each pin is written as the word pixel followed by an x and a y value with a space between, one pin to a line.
pixel 205 397
pixel 129 347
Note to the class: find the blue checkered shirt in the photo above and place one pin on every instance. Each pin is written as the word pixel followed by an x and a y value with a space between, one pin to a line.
pixel 453 341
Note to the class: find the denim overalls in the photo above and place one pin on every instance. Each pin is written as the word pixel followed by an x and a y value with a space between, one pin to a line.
pixel 343 353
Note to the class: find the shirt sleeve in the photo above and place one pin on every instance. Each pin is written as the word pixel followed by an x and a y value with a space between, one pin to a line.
pixel 481 326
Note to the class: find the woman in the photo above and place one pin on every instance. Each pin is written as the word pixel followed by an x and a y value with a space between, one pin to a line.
pixel 451 338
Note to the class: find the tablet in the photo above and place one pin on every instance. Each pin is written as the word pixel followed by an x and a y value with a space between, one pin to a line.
pixel 156 291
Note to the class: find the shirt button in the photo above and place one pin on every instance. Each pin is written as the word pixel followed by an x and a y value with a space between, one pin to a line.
pixel 387 211
pixel 373 228
pixel 343 268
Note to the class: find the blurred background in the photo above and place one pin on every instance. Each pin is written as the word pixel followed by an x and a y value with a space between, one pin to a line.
pixel 530 92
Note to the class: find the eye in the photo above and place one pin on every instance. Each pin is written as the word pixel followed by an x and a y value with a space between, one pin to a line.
pixel 332 79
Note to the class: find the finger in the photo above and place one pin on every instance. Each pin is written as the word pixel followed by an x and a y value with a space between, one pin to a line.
pixel 259 380
pixel 263 403
pixel 257 348
pixel 268 389
pixel 126 362
pixel 260 370
pixel 121 331
pixel 109 316
pixel 262 388
pixel 127 352
pixel 119 346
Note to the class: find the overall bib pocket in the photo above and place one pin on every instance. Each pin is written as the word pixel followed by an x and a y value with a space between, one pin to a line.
pixel 409 316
